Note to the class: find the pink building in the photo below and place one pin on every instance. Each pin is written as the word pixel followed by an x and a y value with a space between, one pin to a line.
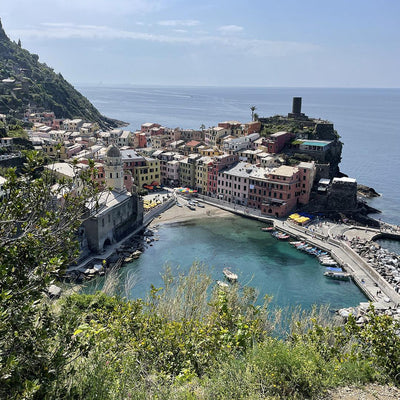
pixel 278 191
pixel 218 163
pixel 252 127
pixel 233 183
pixel 148 126
pixel 276 142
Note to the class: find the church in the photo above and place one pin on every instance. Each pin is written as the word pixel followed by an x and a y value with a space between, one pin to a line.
pixel 116 213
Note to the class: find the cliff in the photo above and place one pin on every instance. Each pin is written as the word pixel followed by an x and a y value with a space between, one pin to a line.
pixel 25 82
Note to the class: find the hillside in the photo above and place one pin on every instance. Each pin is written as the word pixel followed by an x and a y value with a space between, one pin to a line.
pixel 24 81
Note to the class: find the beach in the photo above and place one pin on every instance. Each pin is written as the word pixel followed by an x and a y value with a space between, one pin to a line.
pixel 177 214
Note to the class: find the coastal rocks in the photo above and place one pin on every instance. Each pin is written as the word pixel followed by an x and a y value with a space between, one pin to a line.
pixel 366 191
pixel 386 263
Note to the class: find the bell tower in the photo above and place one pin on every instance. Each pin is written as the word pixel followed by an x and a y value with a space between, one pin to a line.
pixel 113 169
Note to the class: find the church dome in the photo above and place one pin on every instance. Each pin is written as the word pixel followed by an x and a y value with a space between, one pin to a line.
pixel 113 151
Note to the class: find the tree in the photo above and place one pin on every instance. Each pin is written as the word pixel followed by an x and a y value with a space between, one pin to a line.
pixel 39 217
pixel 253 108
pixel 255 117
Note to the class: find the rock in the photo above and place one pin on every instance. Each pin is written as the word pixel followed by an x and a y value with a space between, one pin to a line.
pixel 367 191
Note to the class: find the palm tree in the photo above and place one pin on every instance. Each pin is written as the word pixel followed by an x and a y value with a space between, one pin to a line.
pixel 253 108
pixel 202 127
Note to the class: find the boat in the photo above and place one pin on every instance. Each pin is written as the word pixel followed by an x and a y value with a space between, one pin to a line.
pixel 328 263
pixel 179 204
pixel 341 276
pixel 222 284
pixel 200 205
pixel 267 228
pixel 334 269
pixel 190 207
pixel 296 244
pixel 232 277
pixel 280 236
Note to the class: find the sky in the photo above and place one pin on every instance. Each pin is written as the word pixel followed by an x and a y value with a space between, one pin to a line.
pixel 270 43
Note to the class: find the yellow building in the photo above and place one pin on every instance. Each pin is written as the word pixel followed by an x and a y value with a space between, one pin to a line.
pixel 210 152
pixel 147 174
pixel 202 174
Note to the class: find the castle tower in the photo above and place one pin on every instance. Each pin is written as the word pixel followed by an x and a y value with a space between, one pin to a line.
pixel 113 168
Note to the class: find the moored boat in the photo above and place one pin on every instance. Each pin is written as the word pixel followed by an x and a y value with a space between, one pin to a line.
pixel 341 276
pixel 267 228
pixel 231 276
pixel 222 284
pixel 280 236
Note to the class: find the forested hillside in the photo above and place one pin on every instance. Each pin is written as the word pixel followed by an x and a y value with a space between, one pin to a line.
pixel 25 81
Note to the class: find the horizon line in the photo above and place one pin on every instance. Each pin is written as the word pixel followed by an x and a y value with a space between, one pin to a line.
pixel 110 84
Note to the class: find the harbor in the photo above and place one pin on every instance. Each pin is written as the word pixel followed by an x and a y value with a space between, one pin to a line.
pixel 331 238
pixel 336 240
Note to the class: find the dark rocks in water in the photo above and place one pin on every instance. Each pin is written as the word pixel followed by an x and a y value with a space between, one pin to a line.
pixel 367 191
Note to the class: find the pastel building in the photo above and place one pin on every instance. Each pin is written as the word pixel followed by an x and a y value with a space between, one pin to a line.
pixel 187 170
pixel 202 174
pixel 233 183
pixel 214 135
pixel 217 164
pixel 276 142
pixel 232 144
pixel 278 191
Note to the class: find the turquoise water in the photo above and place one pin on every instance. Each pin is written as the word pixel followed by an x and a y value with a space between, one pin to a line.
pixel 273 267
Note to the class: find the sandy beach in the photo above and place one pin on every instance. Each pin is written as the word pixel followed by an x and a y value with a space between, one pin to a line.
pixel 181 214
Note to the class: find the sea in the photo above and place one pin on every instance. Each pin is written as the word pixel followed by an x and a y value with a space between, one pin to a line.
pixel 368 122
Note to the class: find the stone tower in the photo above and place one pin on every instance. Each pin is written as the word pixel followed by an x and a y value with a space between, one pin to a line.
pixel 113 168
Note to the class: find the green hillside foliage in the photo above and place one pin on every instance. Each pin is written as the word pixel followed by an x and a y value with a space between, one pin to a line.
pixel 35 84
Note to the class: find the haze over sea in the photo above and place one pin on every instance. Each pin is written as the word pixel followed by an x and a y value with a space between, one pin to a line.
pixel 368 121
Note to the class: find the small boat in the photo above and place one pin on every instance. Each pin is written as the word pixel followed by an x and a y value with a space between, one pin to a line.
pixel 340 276
pixel 328 263
pixel 200 205
pixel 267 228
pixel 334 269
pixel 222 284
pixel 296 244
pixel 232 277
pixel 190 207
pixel 280 236
pixel 179 204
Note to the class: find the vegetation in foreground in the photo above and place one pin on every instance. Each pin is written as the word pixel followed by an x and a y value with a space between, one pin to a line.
pixel 189 339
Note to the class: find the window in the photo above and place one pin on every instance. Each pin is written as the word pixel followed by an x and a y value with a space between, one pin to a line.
pixel 110 175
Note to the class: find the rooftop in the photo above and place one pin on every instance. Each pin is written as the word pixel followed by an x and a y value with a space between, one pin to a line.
pixel 284 170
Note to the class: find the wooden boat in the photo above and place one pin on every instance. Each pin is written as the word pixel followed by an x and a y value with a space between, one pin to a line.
pixel 280 236
pixel 232 277
pixel 340 276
